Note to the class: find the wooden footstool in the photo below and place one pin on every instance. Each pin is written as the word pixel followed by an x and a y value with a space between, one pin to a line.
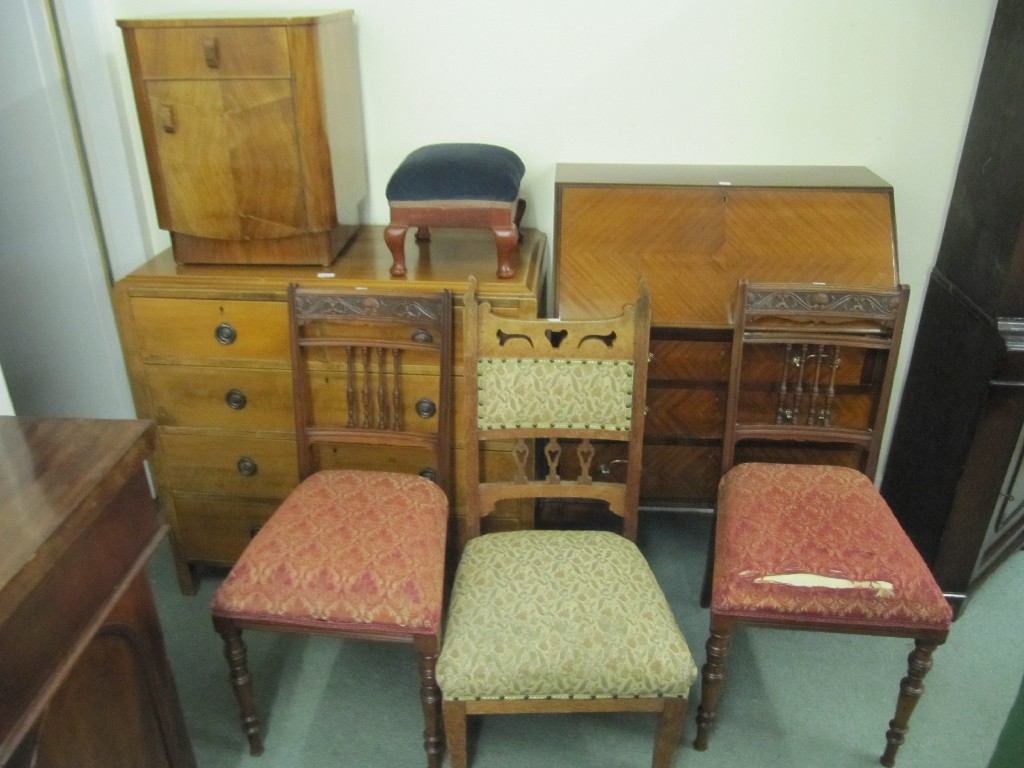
pixel 456 185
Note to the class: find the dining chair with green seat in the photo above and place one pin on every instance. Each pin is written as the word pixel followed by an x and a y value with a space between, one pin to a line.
pixel 558 621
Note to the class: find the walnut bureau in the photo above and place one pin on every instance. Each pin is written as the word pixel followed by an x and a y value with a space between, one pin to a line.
pixel 207 353
pixel 694 232
pixel 84 676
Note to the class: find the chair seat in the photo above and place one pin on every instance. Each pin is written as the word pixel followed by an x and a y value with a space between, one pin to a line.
pixel 560 614
pixel 818 544
pixel 346 550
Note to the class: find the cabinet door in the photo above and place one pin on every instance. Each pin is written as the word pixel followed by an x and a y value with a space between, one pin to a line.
pixel 228 157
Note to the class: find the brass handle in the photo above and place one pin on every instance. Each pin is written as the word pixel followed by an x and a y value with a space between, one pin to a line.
pixel 226 333
pixel 425 408
pixel 606 469
pixel 211 52
pixel 167 118
pixel 236 399
pixel 422 336
pixel 247 467
pixel 430 473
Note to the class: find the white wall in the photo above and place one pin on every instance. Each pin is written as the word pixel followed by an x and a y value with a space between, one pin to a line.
pixel 884 84
pixel 876 83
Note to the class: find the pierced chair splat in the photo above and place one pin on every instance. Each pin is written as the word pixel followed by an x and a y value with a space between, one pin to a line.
pixel 546 620
pixel 815 547
pixel 354 550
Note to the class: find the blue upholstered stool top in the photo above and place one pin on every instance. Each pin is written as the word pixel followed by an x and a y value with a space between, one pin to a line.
pixel 457 172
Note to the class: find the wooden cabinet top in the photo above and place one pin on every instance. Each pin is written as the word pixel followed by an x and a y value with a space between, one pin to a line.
pixel 694 231
pixel 445 262
pixel 55 476
pixel 233 20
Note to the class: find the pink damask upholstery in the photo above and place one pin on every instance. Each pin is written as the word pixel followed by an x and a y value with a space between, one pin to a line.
pixel 782 526
pixel 346 550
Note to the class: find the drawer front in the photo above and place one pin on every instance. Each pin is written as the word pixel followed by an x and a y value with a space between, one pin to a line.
pixel 685 412
pixel 221 398
pixel 207 330
pixel 216 530
pixel 332 403
pixel 229 466
pixel 696 361
pixel 213 52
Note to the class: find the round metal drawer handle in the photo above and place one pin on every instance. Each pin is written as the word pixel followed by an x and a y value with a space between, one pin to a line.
pixel 236 399
pixel 425 408
pixel 226 333
pixel 246 467
pixel 422 336
pixel 430 473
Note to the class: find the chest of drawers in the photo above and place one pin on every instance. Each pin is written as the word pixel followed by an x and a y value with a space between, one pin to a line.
pixel 694 232
pixel 253 134
pixel 207 354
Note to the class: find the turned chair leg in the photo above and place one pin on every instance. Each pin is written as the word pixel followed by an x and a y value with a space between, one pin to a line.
pixel 455 733
pixel 241 682
pixel 712 675
pixel 911 688
pixel 670 730
pixel 427 648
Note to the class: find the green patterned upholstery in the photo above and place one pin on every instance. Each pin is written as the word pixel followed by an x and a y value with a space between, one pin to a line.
pixel 554 393
pixel 560 614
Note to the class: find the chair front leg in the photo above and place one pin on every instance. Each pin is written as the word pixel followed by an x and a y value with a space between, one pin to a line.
pixel 241 681
pixel 712 675
pixel 427 649
pixel 670 729
pixel 911 688
pixel 455 733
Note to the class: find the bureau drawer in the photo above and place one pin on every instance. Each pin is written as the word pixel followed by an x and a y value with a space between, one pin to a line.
pixel 214 530
pixel 221 398
pixel 685 411
pixel 213 52
pixel 688 360
pixel 229 466
pixel 207 330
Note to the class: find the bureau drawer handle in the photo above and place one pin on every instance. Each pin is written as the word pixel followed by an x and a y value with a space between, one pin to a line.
pixel 211 52
pixel 422 336
pixel 236 399
pixel 430 473
pixel 246 467
pixel 226 333
pixel 425 408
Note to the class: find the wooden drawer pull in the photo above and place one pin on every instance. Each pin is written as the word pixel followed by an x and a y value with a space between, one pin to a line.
pixel 246 467
pixel 226 333
pixel 236 399
pixel 211 52
pixel 167 118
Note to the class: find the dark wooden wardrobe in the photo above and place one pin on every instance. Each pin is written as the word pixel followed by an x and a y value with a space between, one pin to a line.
pixel 954 475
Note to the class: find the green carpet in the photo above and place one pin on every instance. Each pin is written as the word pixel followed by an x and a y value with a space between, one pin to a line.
pixel 793 699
